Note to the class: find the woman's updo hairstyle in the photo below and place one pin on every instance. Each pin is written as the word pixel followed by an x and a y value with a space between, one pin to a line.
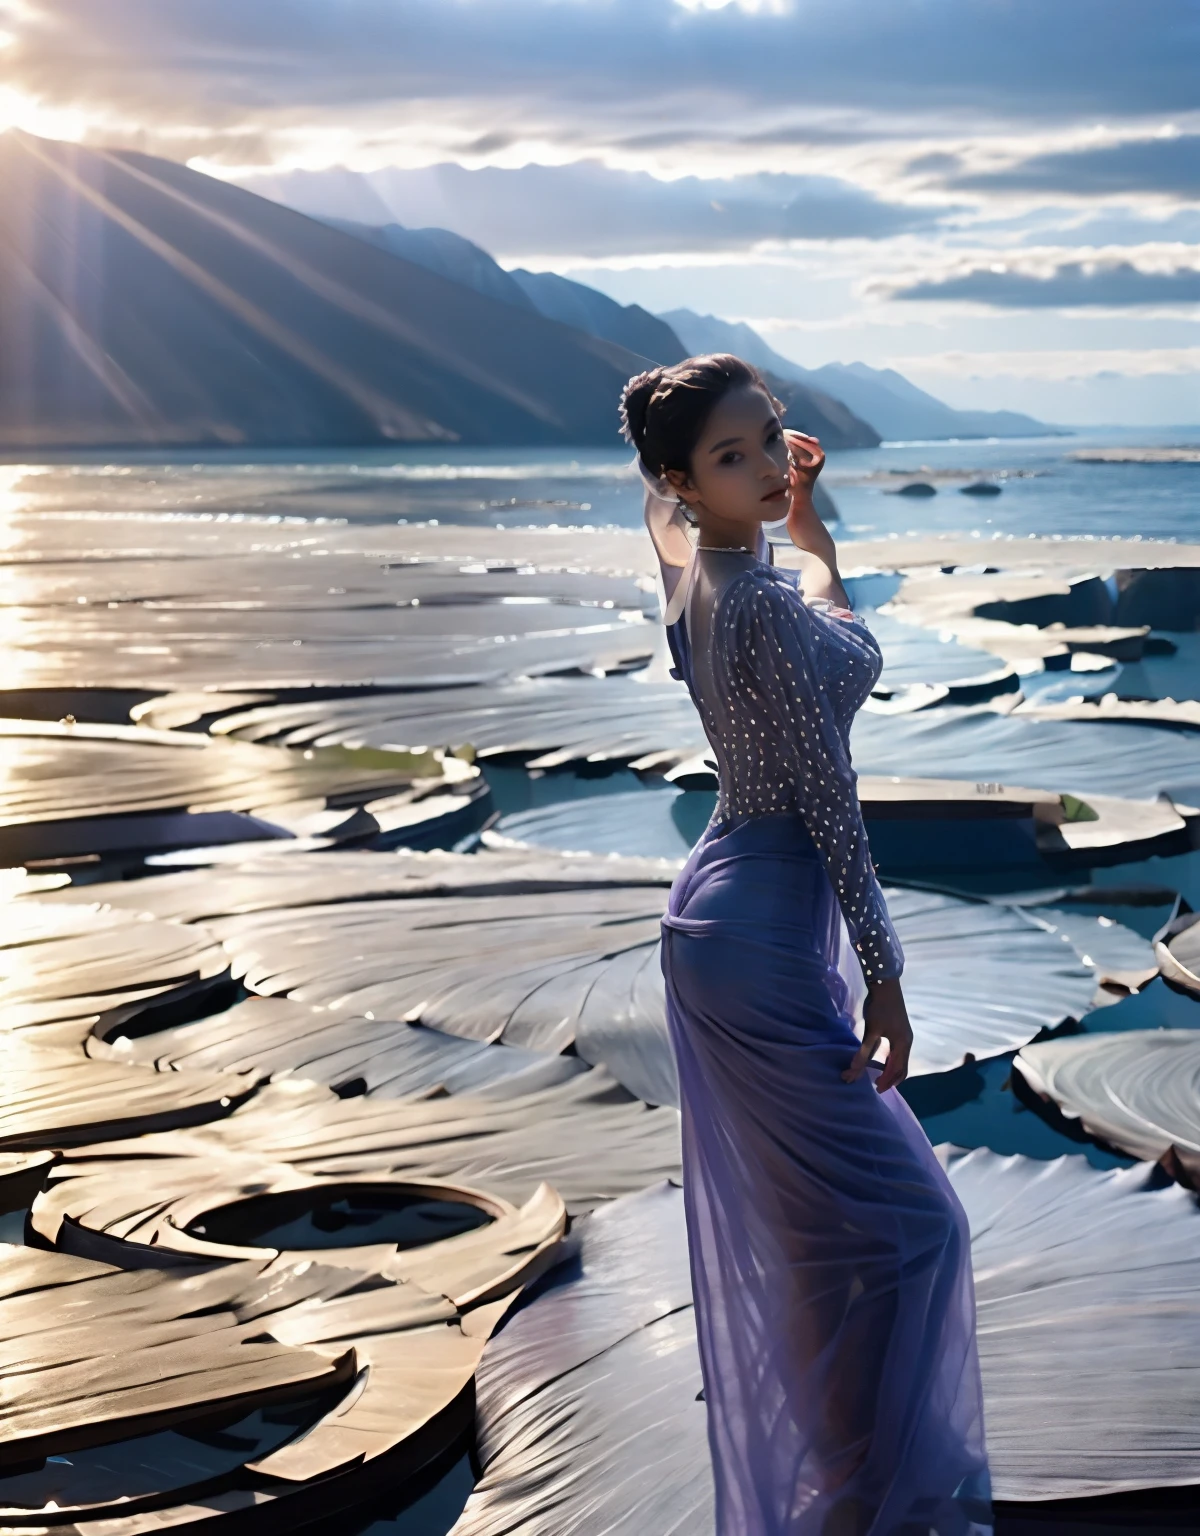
pixel 663 411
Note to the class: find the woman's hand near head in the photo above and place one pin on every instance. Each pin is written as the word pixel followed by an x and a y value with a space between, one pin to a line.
pixel 806 459
pixel 885 1017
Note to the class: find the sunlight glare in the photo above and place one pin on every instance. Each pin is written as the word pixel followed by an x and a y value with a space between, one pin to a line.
pixel 13 501
pixel 32 115
pixel 20 882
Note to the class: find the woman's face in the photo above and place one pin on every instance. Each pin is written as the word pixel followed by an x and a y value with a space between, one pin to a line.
pixel 739 471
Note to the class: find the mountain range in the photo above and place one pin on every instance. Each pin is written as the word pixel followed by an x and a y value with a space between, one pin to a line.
pixel 896 408
pixel 144 303
pixel 558 298
pixel 836 394
pixel 809 408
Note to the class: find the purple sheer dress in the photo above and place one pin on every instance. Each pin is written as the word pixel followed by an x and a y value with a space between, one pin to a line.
pixel 830 1257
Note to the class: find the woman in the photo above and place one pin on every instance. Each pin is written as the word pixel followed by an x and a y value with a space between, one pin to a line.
pixel 830 1257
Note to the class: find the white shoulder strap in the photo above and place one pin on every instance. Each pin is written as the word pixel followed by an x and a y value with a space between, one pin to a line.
pixel 671 537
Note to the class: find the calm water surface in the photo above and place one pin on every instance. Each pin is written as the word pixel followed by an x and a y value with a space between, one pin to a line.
pixel 1045 491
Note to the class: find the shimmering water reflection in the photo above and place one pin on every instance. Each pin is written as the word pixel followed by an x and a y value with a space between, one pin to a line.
pixel 1045 490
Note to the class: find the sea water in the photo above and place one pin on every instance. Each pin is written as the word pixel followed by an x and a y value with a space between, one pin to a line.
pixel 1044 489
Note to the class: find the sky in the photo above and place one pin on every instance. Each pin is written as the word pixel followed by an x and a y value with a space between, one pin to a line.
pixel 1000 198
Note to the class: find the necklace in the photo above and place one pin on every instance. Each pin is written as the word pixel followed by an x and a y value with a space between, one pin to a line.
pixel 724 549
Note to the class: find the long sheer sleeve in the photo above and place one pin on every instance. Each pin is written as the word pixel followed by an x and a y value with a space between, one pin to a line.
pixel 794 672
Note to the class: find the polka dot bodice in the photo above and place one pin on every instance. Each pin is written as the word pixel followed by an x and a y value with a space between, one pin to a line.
pixel 778 684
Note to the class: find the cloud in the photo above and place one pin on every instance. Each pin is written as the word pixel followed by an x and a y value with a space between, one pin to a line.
pixel 1168 165
pixel 1086 226
pixel 936 162
pixel 808 135
pixel 413 72
pixel 1057 364
pixel 1105 283
pixel 588 208
pixel 751 7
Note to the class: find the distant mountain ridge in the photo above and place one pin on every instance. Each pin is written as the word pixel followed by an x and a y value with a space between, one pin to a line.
pixel 589 309
pixel 809 409
pixel 144 303
pixel 900 410
pixel 705 333
pixel 896 408
pixel 444 252
pixel 545 293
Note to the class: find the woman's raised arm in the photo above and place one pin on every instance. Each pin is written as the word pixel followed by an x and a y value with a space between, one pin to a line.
pixel 807 532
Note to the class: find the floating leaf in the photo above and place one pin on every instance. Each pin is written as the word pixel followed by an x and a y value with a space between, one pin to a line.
pixel 75 790
pixel 1088 1313
pixel 1079 757
pixel 581 967
pixel 1140 1092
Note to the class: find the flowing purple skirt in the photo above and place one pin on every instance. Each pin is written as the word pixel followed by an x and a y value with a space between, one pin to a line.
pixel 830 1256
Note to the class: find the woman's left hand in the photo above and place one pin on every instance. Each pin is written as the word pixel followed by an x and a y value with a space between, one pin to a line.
pixel 806 460
pixel 885 1017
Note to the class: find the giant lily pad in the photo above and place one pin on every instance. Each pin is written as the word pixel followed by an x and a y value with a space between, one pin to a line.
pixel 1087 1303
pixel 556 720
pixel 280 1038
pixel 515 968
pixel 545 953
pixel 1178 952
pixel 1111 758
pixel 941 831
pixel 981 977
pixel 1139 1092
pixel 56 1098
pixel 93 1354
pixel 65 966
pixel 550 720
pixel 915 657
pixel 260 884
pixel 581 967
pixel 583 1135
pixel 595 1386
pixel 370 1350
pixel 77 790
pixel 265 619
